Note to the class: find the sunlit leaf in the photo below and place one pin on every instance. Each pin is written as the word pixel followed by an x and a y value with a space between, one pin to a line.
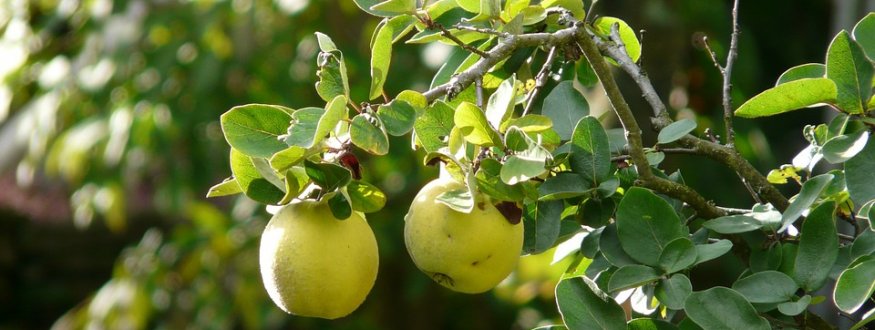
pixel 365 133
pixel 789 96
pixel 807 195
pixel 254 129
pixel 251 182
pixel 733 224
pixel 603 26
pixel 227 187
pixel 474 126
pixel 864 34
pixel 302 131
pixel 858 174
pixel 434 126
pixel 398 116
pixel 365 197
pixel 848 67
pixel 854 286
pixel 328 176
pixel 810 70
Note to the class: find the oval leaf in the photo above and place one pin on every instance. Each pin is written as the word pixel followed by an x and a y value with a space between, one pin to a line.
pixel 672 292
pixel 474 126
pixel 818 247
pixel 810 70
pixel 366 134
pixel 254 129
pixel 541 225
pixel 678 255
pixel 676 130
pixel 433 128
pixel 807 195
pixel 854 286
pixel 631 276
pixel 584 306
pixel 706 252
pixel 851 71
pixel 793 308
pixel 590 151
pixel 843 147
pixel 565 106
pixel 398 116
pixel 733 224
pixel 646 223
pixel 858 175
pixel 790 96
pixel 723 308
pixel 365 197
pixel 603 26
pixel 251 182
pixel 864 34
pixel 766 287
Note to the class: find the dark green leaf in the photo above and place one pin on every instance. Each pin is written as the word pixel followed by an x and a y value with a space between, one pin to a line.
pixel 398 116
pixel 585 74
pixel 864 34
pixel 706 252
pixel 868 317
pixel 565 106
pixel 609 245
pixel 766 287
pixel 863 245
pixel 434 126
pixel 672 292
pixel 563 185
pixel 339 207
pixel 646 224
pixel 251 183
pixel 789 96
pixel 818 247
pixel 723 308
pixel 489 182
pixel 365 133
pixel 858 175
pixel 541 221
pixel 769 257
pixel 854 286
pixel 733 224
pixel 227 187
pixel 793 308
pixel 296 181
pixel 589 246
pixel 851 71
pixel 583 306
pixel 590 151
pixel 631 276
pixel 678 255
pixel 365 197
pixel 596 213
pixel 676 130
pixel 328 176
pixel 810 70
pixel 253 129
pixel 807 195
pixel 302 131
pixel 474 126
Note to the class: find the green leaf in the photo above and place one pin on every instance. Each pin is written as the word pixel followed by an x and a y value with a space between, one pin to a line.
pixel 296 180
pixel 489 182
pixel 789 96
pixel 339 207
pixel 434 126
pixel 603 26
pixel 576 7
pixel 228 187
pixel 733 224
pixel 706 252
pixel 500 104
pixel 649 324
pixel 672 292
pixel 251 182
pixel 596 213
pixel 818 247
pixel 325 42
pixel 793 308
pixel 810 70
pixel 474 126
pixel 366 6
pixel 328 176
pixel 522 167
pixel 868 317
pixel 532 123
pixel 286 158
pixel 541 225
pixel 676 130
pixel 843 147
pixel 609 245
pixel 864 34
pixel 766 287
pixel 396 6
pixel 267 172
pixel 590 151
pixel 646 223
pixel 585 75
pixel 584 306
pixel 807 195
pixel 565 106
pixel 365 197
pixel 851 71
pixel 365 133
pixel 769 257
pixel 398 116
pixel 858 175
pixel 381 57
pixel 723 308
pixel 864 244
pixel 854 286
pixel 302 131
pixel 335 111
pixel 631 276
pixel 563 185
pixel 332 76
pixel 516 140
pixel 678 255
pixel 460 200
pixel 254 129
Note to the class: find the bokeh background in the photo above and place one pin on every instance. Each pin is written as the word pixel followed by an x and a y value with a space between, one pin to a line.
pixel 110 139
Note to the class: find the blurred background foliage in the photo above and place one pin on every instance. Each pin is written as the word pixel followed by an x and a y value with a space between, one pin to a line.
pixel 109 140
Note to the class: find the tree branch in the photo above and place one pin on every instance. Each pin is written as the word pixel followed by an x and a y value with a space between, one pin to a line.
pixel 540 79
pixel 727 78
pixel 633 134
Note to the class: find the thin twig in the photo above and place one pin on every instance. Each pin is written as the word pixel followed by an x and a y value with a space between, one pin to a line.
pixel 540 79
pixel 686 151
pixel 731 210
pixel 753 193
pixel 590 11
pixel 482 30
pixel 713 55
pixel 447 34
pixel 727 78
